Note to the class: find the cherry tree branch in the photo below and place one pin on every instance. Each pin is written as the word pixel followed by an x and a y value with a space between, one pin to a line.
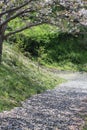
pixel 24 28
pixel 14 16
pixel 14 9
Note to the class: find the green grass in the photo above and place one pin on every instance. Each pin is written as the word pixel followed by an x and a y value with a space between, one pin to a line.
pixel 66 66
pixel 20 78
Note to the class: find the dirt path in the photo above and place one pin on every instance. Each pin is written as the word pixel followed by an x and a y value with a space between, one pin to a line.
pixel 58 109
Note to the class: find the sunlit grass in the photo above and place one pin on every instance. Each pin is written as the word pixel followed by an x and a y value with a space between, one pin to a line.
pixel 20 78
pixel 67 66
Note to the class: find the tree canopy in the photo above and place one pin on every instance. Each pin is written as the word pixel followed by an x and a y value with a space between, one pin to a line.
pixel 67 14
pixel 43 11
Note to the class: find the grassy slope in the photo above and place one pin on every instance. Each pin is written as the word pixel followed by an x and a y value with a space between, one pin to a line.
pixel 20 78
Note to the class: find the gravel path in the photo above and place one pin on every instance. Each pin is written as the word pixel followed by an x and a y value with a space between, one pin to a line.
pixel 58 109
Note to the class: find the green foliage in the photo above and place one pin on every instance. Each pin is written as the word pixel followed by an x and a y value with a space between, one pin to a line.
pixel 31 40
pixel 61 50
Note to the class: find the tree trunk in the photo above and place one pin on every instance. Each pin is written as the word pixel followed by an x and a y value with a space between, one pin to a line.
pixel 1 44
